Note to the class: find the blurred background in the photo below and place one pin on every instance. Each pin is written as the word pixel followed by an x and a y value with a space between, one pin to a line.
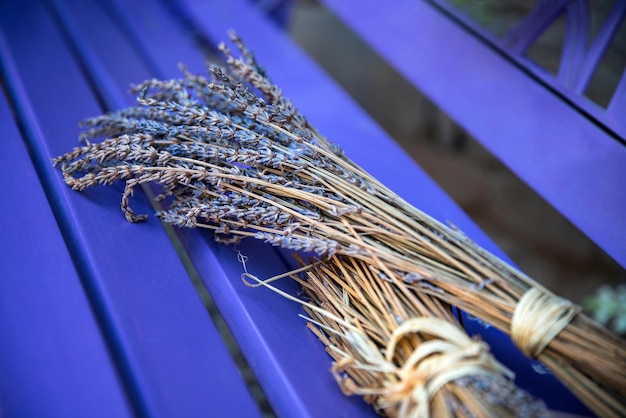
pixel 536 237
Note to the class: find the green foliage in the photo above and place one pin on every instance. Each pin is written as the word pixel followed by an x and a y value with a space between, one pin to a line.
pixel 608 306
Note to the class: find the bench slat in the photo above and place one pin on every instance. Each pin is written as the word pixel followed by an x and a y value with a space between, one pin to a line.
pixel 167 350
pixel 43 307
pixel 568 159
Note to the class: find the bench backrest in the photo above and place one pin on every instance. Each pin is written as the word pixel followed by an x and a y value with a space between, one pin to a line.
pixel 568 148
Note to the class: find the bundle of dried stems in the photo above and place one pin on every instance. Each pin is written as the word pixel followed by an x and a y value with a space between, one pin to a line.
pixel 403 351
pixel 233 155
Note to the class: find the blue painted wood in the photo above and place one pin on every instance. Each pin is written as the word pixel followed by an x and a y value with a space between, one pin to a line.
pixel 48 332
pixel 569 159
pixel 167 351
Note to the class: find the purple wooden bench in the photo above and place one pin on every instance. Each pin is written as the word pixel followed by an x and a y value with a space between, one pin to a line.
pixel 99 317
pixel 542 126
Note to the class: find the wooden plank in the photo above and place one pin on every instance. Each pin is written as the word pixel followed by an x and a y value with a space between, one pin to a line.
pixel 568 159
pixel 169 354
pixel 43 306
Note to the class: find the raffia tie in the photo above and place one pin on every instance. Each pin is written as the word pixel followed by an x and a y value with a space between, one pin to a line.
pixel 447 354
pixel 538 318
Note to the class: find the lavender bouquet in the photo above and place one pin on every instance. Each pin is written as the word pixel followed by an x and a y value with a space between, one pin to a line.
pixel 233 155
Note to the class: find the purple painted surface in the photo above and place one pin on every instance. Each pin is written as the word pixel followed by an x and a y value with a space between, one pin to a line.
pixel 580 56
pixel 168 353
pixel 605 35
pixel 278 10
pixel 577 35
pixel 519 39
pixel 514 45
pixel 48 332
pixel 569 160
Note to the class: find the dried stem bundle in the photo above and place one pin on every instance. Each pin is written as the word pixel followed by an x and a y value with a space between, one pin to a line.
pixel 402 351
pixel 233 155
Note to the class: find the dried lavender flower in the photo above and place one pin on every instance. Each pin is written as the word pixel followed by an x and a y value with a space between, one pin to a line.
pixel 232 154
